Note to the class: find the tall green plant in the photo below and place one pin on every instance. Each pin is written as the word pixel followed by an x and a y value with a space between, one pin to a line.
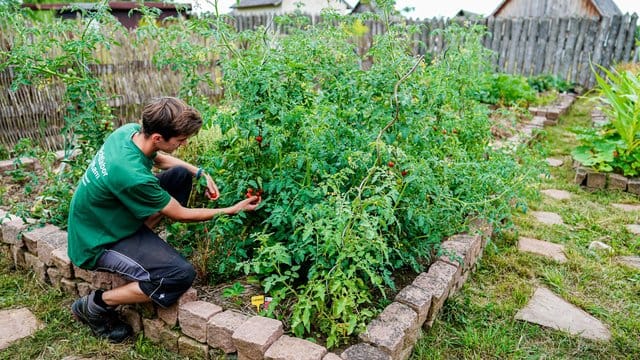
pixel 621 95
pixel 615 146
pixel 62 52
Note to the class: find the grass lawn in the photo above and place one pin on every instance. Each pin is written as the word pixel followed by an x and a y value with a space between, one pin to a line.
pixel 478 322
pixel 62 336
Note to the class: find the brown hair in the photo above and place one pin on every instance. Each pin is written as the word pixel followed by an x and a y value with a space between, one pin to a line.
pixel 170 117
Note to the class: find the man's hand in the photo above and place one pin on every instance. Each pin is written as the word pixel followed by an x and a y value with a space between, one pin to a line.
pixel 212 189
pixel 248 204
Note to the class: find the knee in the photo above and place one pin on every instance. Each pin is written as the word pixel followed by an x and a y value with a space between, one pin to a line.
pixel 185 274
pixel 182 174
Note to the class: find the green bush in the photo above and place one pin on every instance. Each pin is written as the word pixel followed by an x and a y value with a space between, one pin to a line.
pixel 363 172
pixel 506 90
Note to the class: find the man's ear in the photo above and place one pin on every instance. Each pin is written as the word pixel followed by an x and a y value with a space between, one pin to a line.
pixel 155 137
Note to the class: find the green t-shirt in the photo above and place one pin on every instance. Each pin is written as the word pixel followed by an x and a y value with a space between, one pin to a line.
pixel 113 199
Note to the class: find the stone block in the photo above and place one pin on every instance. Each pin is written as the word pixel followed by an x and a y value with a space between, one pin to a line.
pixel 101 280
pixel 32 237
pixel 438 282
pixel 633 186
pixel 384 335
pixel 170 314
pixel 618 182
pixel 86 275
pixel 17 253
pixel 39 268
pixel 538 121
pixel 157 332
pixel 192 349
pixel 596 180
pixel 221 327
pixel 460 250
pixel 55 277
pixel 581 176
pixel 129 315
pixel 416 298
pixel 404 317
pixel 84 288
pixel 12 231
pixel 69 286
pixel 553 113
pixel 194 316
pixel 47 244
pixel 291 348
pixel 60 260
pixel 254 336
pixel 364 352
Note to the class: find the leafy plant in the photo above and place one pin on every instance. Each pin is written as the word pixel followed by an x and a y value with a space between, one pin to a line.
pixel 506 90
pixel 616 146
pixel 233 291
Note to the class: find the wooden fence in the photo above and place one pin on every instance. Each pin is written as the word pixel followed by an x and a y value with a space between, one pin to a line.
pixel 559 46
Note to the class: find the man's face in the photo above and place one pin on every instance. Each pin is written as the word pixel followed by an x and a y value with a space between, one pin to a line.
pixel 173 143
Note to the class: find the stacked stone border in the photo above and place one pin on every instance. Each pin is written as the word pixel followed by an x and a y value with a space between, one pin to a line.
pixel 202 329
pixel 586 176
pixel 542 116
pixel 207 330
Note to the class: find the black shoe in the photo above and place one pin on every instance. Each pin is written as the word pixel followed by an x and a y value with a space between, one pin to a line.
pixel 106 324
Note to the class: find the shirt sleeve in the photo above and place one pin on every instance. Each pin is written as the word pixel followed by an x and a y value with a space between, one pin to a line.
pixel 144 199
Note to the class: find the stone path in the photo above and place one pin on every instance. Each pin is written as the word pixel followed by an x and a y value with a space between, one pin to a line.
pixel 557 194
pixel 631 261
pixel 544 248
pixel 555 162
pixel 16 324
pixel 548 218
pixel 547 309
pixel 626 207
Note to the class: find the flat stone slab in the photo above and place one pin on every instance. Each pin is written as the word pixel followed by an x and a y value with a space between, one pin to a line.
pixel 548 218
pixel 547 309
pixel 544 248
pixel 557 194
pixel 554 162
pixel 632 261
pixel 16 324
pixel 626 207
pixel 633 228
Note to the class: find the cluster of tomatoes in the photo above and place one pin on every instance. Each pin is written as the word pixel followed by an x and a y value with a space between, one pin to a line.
pixel 392 164
pixel 251 192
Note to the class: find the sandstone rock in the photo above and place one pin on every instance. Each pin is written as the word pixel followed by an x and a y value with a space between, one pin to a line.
pixel 291 348
pixel 16 324
pixel 599 245
pixel 632 261
pixel 548 218
pixel 557 194
pixel 547 309
pixel 544 248
pixel 627 207
pixel 554 162
pixel 254 336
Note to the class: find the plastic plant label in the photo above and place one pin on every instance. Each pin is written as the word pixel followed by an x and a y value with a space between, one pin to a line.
pixel 257 301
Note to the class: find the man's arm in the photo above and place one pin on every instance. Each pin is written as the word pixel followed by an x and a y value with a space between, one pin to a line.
pixel 164 161
pixel 177 212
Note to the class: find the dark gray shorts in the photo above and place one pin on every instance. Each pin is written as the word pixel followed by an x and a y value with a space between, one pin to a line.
pixel 163 274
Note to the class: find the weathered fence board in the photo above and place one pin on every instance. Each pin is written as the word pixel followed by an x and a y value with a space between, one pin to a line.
pixel 564 47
